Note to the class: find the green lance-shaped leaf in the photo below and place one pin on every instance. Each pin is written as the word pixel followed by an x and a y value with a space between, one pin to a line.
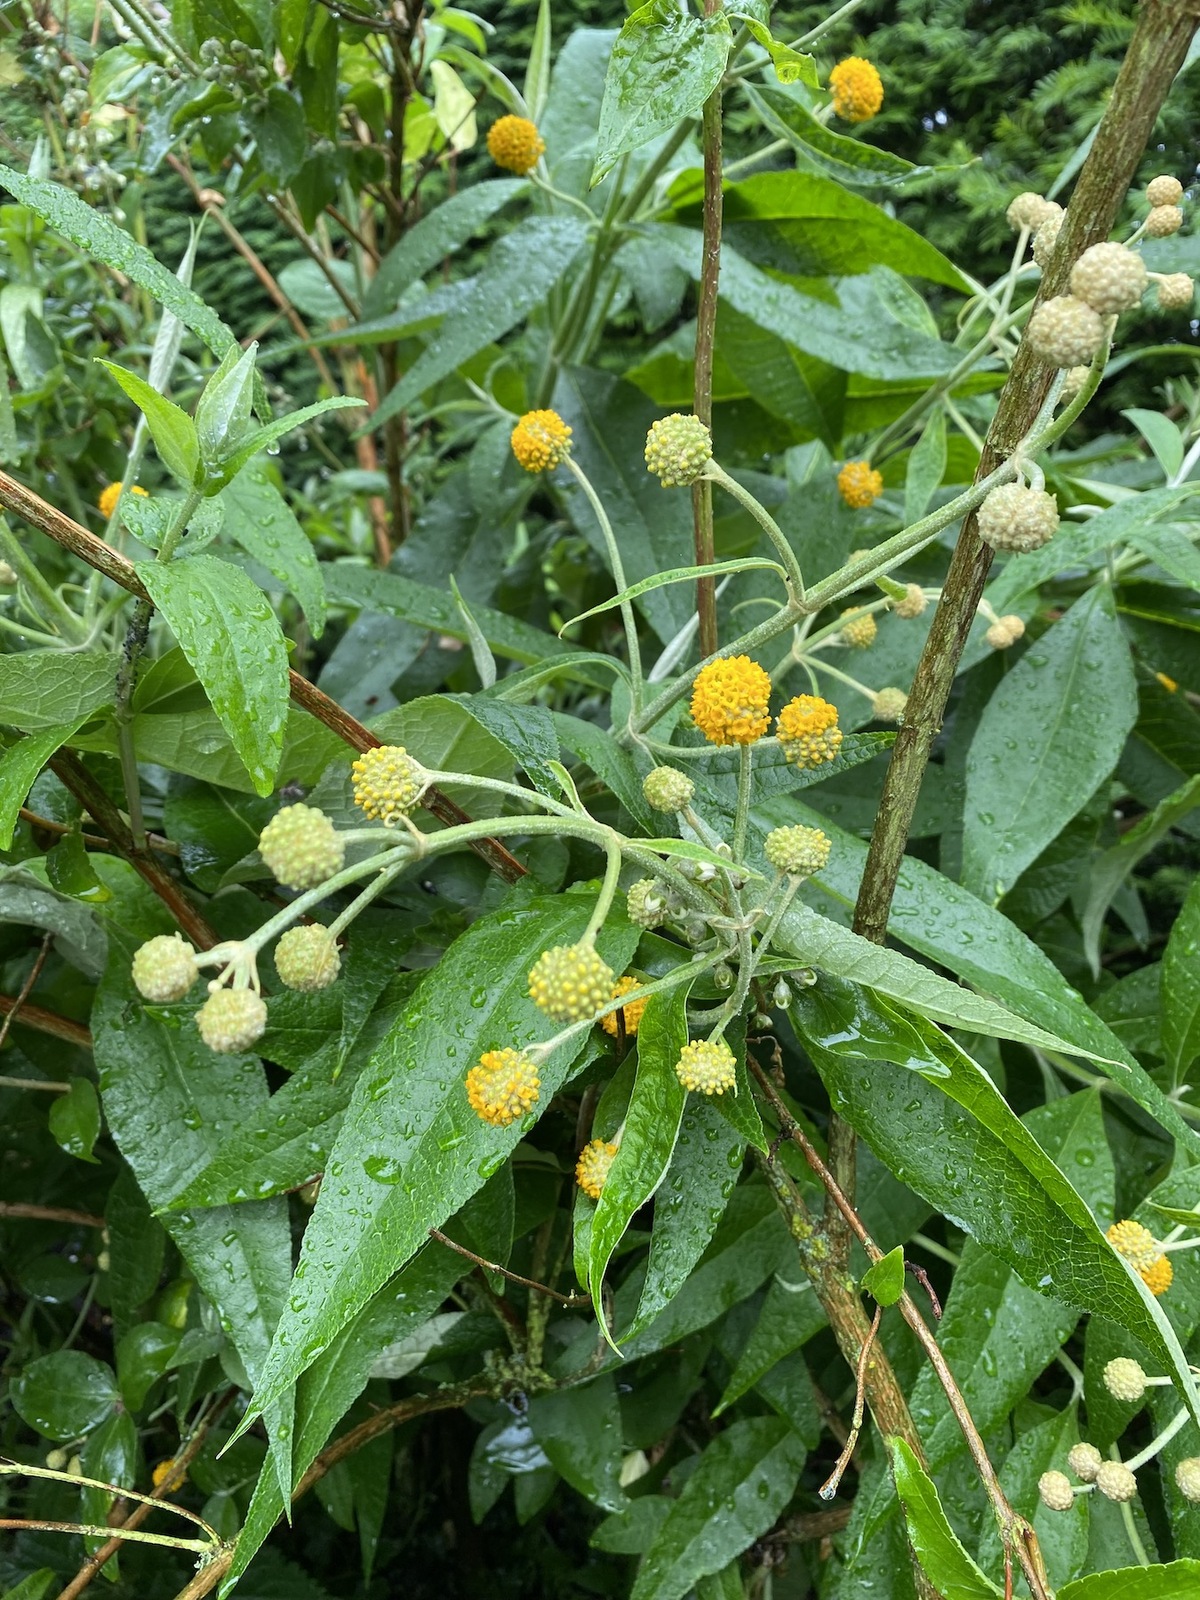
pixel 926 465
pixel 1178 1580
pixel 663 67
pixel 104 241
pixel 939 918
pixel 172 430
pixel 648 1140
pixel 20 765
pixel 690 1203
pixel 233 642
pixel 850 161
pixel 522 267
pixel 262 438
pixel 715 569
pixel 411 1151
pixel 435 237
pixel 1049 736
pixel 266 527
pixel 750 1472
pixel 1181 988
pixel 332 1384
pixel 945 1563
pixel 939 1123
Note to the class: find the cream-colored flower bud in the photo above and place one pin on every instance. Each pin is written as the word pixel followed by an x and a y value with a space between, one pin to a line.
pixel 912 604
pixel 1175 291
pixel 1031 211
pixel 1164 191
pixel 1187 1478
pixel 1056 1491
pixel 1045 240
pixel 1115 1481
pixel 1125 1379
pixel 1164 221
pixel 1065 331
pixel 1111 278
pixel 1085 1462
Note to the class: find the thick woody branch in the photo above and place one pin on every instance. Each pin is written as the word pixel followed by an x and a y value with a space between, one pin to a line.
pixel 15 497
pixel 1159 45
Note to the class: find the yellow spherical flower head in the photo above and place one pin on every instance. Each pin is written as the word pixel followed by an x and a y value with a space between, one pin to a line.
pixel 632 1012
pixel 541 440
pixel 707 1066
pixel 387 783
pixel 859 484
pixel 857 89
pixel 1136 1243
pixel 858 628
pixel 591 1170
pixel 1158 1276
pixel 515 144
pixel 502 1086
pixel 111 493
pixel 808 732
pixel 730 701
pixel 798 851
pixel 571 982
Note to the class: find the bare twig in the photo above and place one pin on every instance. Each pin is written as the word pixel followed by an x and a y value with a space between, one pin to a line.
pixel 47 1022
pixel 50 1214
pixel 513 1277
pixel 830 1487
pixel 32 977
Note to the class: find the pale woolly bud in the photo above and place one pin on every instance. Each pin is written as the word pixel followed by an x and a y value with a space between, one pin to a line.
pixel 781 994
pixel 858 628
pixel 1066 332
pixel 307 959
pixel 1056 1491
pixel 1004 632
pixel 1031 211
pixel 1187 1478
pixel 1110 277
pixel 668 789
pixel 1175 291
pixel 912 604
pixel 1013 517
pixel 1164 221
pixel 1164 191
pixel 1115 1481
pixel 888 705
pixel 8 575
pixel 231 1020
pixel 1125 1379
pixel 1073 382
pixel 678 448
pixel 1085 1462
pixel 301 847
pixel 1045 240
pixel 164 968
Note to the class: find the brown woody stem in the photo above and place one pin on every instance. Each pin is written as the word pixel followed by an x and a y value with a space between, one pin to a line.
pixel 706 332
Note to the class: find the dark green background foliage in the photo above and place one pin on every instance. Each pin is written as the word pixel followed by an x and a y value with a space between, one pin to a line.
pixel 1019 1060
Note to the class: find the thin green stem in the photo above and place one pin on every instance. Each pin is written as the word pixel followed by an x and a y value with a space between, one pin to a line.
pixel 831 21
pixel 14 552
pixel 766 522
pixel 741 820
pixel 608 889
pixel 618 570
